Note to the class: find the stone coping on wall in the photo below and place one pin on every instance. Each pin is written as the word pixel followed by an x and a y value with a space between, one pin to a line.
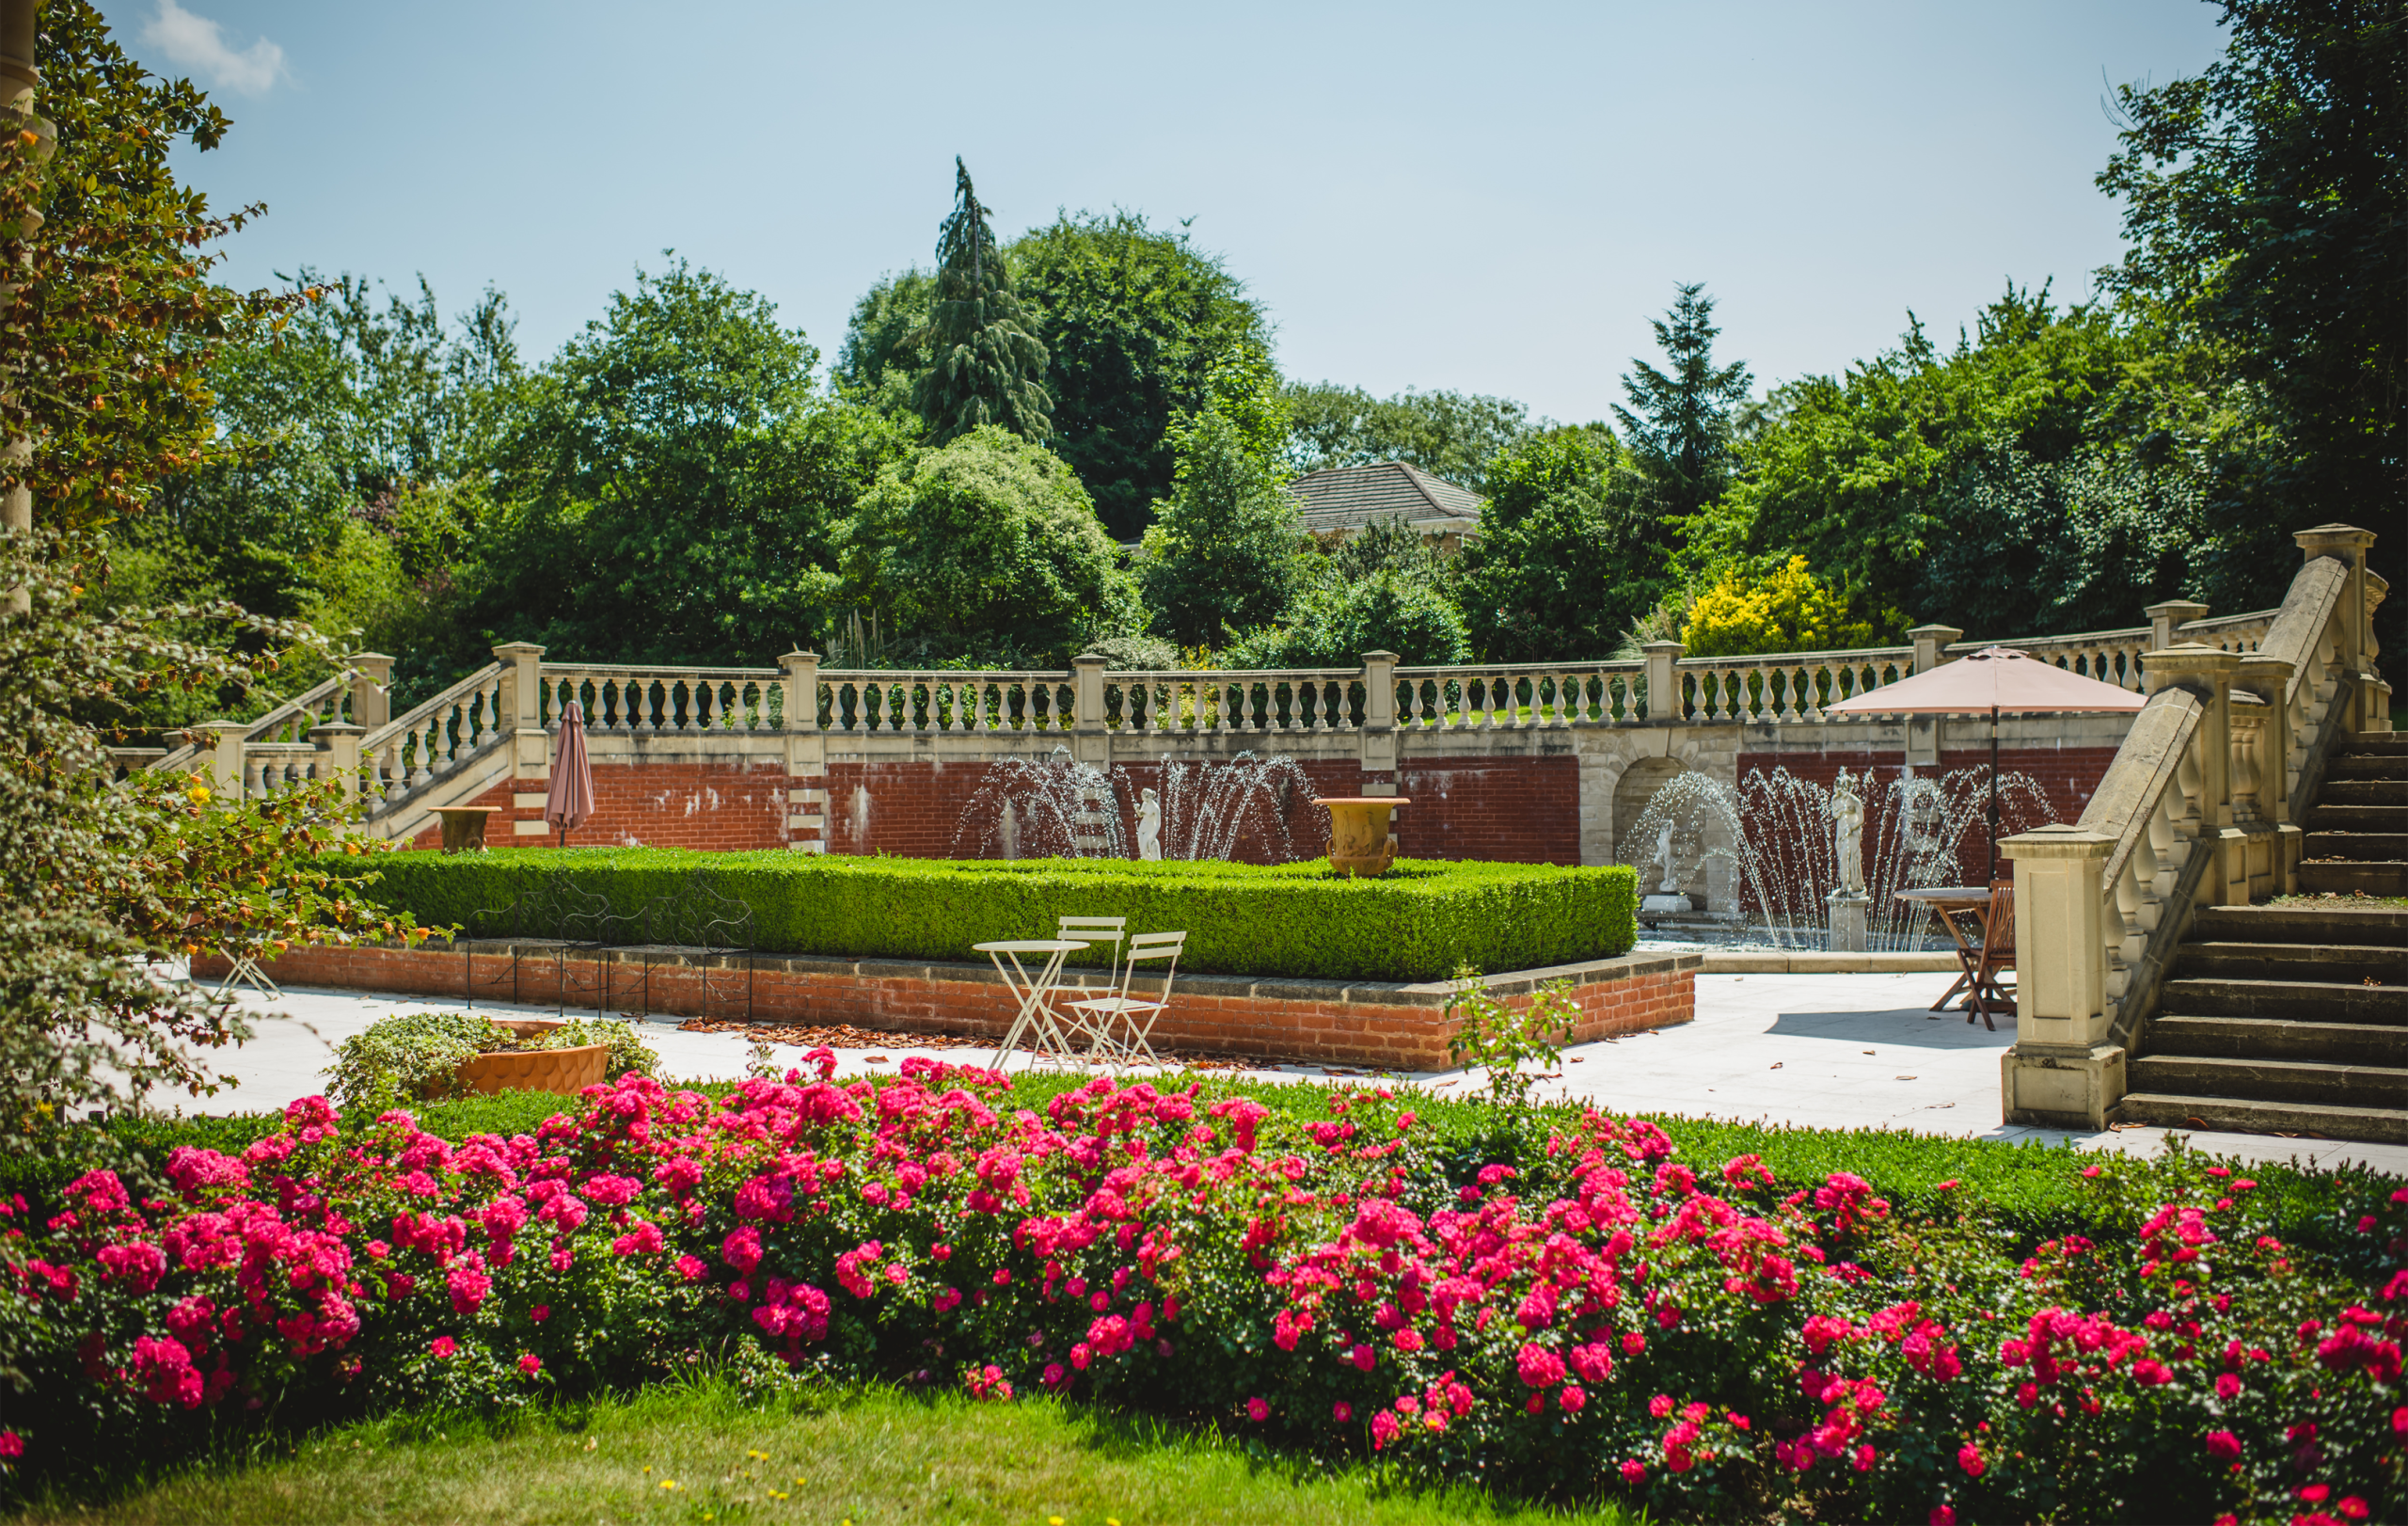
pixel 1392 1025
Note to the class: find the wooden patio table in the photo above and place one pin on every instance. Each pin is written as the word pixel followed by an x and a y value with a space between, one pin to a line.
pixel 1947 900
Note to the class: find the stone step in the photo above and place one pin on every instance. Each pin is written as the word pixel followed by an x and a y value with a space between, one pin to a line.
pixel 2386 765
pixel 2359 847
pixel 2280 1038
pixel 2247 1114
pixel 2372 741
pixel 2324 818
pixel 2363 792
pixel 2344 878
pixel 2383 926
pixel 2308 1000
pixel 2330 964
pixel 2271 1080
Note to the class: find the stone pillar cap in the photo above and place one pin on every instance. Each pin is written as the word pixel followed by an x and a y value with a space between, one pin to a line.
pixel 798 655
pixel 2059 839
pixel 1662 647
pixel 1379 656
pixel 337 726
pixel 2190 654
pixel 1091 657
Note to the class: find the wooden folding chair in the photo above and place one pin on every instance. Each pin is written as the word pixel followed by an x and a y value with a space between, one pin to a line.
pixel 1985 962
pixel 1123 1020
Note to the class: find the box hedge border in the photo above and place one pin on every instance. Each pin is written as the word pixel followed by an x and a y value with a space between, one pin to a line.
pixel 1417 923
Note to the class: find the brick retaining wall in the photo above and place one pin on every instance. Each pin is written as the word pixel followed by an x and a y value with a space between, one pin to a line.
pixel 1394 1026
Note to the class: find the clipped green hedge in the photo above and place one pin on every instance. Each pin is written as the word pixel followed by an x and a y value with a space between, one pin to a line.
pixel 1417 922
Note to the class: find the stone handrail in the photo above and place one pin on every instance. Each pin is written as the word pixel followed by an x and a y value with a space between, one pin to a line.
pixel 2200 806
pixel 433 739
pixel 1510 697
pixel 654 701
pixel 289 721
pixel 2308 635
pixel 2115 656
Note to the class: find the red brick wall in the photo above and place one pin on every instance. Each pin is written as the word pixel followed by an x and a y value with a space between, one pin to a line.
pixel 1521 810
pixel 720 805
pixel 1212 1016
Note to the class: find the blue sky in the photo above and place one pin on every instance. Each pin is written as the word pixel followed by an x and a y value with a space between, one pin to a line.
pixel 1491 198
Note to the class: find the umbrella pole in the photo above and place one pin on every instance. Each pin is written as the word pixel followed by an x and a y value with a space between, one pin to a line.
pixel 1993 868
pixel 1993 800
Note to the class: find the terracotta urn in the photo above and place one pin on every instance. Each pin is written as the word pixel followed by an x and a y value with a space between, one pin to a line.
pixel 564 1071
pixel 1360 842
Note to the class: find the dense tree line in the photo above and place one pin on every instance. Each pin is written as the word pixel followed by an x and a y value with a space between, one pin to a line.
pixel 1079 438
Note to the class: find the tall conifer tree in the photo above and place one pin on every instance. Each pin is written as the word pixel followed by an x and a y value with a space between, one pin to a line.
pixel 986 361
pixel 1680 430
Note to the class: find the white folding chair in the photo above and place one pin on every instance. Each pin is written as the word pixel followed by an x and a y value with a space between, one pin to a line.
pixel 1108 932
pixel 1124 1020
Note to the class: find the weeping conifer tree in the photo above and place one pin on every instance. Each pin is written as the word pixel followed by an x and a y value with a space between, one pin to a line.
pixel 985 361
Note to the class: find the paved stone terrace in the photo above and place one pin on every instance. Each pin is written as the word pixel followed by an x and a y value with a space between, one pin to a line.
pixel 1824 1051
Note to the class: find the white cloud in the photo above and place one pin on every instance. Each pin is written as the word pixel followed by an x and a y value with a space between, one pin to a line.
pixel 195 43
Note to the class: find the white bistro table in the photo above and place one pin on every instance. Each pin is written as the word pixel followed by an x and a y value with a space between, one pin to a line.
pixel 1036 1017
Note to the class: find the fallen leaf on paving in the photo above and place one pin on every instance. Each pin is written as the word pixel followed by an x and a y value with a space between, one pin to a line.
pixel 1776 1065
pixel 1905 1078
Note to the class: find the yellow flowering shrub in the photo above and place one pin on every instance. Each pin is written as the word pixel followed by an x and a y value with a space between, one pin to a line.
pixel 1789 611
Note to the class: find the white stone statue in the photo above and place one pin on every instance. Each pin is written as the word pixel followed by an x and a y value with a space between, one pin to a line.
pixel 1848 835
pixel 1150 825
pixel 1666 881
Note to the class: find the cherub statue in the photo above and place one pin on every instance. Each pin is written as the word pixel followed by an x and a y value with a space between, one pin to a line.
pixel 1666 881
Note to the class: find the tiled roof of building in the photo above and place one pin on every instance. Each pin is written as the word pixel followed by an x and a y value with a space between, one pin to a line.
pixel 1349 498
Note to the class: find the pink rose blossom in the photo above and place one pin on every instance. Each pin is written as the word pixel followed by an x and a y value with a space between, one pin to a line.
pixel 443 1346
pixel 1257 1411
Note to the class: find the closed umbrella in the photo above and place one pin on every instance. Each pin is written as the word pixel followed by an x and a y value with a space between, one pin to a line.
pixel 1993 679
pixel 571 800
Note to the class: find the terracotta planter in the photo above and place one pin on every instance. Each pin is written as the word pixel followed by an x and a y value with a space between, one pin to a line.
pixel 564 1071
pixel 1360 842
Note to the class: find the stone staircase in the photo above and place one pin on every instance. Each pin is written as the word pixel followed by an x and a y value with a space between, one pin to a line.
pixel 2294 1020
pixel 2357 831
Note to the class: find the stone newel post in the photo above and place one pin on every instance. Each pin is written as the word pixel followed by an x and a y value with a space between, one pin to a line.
pixel 806 755
pixel 1379 722
pixel 223 742
pixel 522 701
pixel 2062 1071
pixel 2166 619
pixel 1090 742
pixel 2269 680
pixel 2347 545
pixel 1923 731
pixel 1932 643
pixel 1663 683
pixel 371 692
pixel 2209 673
pixel 338 744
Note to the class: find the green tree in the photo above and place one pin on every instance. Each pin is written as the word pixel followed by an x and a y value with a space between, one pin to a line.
pixel 1564 560
pixel 1335 623
pixel 1226 553
pixel 676 461
pixel 1909 481
pixel 989 549
pixel 1453 435
pixel 886 342
pixel 1679 424
pixel 110 335
pixel 984 366
pixel 2266 205
pixel 359 439
pixel 1136 321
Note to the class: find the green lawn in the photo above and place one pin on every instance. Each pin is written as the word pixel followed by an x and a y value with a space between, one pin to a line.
pixel 694 1454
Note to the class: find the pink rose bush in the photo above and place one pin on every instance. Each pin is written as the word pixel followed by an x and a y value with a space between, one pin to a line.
pixel 1596 1317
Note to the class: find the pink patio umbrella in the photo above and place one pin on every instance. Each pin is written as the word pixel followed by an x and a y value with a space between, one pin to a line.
pixel 571 800
pixel 1993 679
